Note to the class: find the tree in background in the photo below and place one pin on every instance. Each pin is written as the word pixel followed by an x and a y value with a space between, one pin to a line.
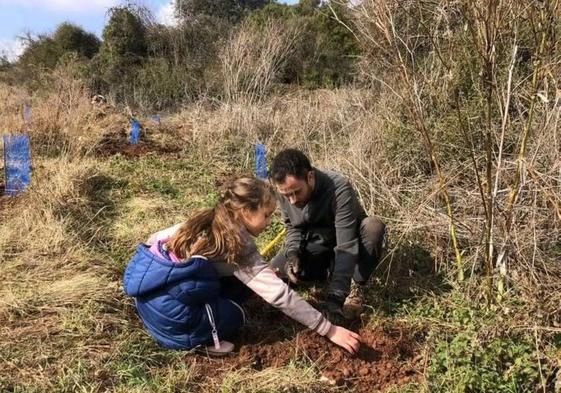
pixel 327 52
pixel 182 62
pixel 5 64
pixel 230 10
pixel 123 50
pixel 71 38
pixel 46 50
pixel 335 49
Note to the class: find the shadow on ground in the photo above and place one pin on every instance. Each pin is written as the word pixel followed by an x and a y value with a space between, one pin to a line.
pixel 406 273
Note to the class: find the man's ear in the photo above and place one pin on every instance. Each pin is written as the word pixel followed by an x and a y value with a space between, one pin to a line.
pixel 311 176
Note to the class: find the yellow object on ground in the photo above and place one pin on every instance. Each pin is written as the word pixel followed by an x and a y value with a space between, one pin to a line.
pixel 269 248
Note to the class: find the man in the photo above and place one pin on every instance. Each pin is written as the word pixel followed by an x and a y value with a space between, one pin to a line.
pixel 329 235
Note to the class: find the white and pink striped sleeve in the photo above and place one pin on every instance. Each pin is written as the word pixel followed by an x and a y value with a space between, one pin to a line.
pixel 262 280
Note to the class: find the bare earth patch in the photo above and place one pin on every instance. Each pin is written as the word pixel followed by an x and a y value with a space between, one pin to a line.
pixel 117 143
pixel 388 356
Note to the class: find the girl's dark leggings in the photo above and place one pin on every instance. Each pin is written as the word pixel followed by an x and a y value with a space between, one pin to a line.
pixel 232 288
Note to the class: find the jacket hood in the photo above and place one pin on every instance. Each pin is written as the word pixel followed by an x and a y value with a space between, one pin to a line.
pixel 148 273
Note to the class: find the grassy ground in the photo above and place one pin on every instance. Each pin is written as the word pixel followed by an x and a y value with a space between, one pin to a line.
pixel 67 327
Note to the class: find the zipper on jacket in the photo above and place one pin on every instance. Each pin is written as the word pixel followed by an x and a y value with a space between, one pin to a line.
pixel 213 326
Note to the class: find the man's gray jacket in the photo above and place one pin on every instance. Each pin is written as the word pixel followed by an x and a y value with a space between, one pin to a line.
pixel 331 218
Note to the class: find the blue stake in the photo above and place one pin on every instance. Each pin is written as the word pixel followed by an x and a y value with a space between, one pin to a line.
pixel 135 132
pixel 17 163
pixel 260 161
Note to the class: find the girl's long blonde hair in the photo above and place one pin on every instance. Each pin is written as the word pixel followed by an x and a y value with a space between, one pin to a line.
pixel 216 232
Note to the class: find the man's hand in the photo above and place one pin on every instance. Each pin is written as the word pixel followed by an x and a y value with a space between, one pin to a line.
pixel 293 268
pixel 344 338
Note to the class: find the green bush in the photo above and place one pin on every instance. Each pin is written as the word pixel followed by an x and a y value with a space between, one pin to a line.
pixel 474 350
pixel 46 50
pixel 122 52
pixel 326 53
pixel 228 10
pixel 5 65
pixel 159 85
pixel 463 363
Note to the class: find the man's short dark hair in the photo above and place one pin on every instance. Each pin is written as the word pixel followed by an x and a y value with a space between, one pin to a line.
pixel 290 162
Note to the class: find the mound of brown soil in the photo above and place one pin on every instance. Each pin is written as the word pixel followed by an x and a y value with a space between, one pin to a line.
pixel 387 356
pixel 118 143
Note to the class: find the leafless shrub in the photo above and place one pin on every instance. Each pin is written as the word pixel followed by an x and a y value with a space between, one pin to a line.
pixel 480 105
pixel 253 57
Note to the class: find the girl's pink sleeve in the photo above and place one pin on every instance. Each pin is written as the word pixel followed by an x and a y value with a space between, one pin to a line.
pixel 262 280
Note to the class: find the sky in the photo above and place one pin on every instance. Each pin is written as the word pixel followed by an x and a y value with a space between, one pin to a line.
pixel 19 17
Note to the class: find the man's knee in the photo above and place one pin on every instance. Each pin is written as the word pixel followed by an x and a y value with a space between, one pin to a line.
pixel 373 234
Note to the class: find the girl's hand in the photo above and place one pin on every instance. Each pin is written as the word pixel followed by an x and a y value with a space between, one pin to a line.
pixel 344 338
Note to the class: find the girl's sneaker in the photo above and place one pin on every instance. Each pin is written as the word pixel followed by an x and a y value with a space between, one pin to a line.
pixel 225 348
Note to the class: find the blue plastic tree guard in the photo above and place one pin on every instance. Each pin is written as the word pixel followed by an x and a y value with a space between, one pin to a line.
pixel 17 163
pixel 26 113
pixel 156 119
pixel 135 132
pixel 260 161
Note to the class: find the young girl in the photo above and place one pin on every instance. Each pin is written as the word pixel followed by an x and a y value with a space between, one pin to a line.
pixel 188 280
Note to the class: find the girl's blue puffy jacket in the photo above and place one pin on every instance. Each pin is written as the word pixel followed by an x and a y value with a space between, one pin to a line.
pixel 180 302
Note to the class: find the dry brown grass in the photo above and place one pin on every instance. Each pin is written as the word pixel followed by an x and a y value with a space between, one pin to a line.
pixel 56 295
pixel 63 118
pixel 253 58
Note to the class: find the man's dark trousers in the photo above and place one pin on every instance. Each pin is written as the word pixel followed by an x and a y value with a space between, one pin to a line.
pixel 317 258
